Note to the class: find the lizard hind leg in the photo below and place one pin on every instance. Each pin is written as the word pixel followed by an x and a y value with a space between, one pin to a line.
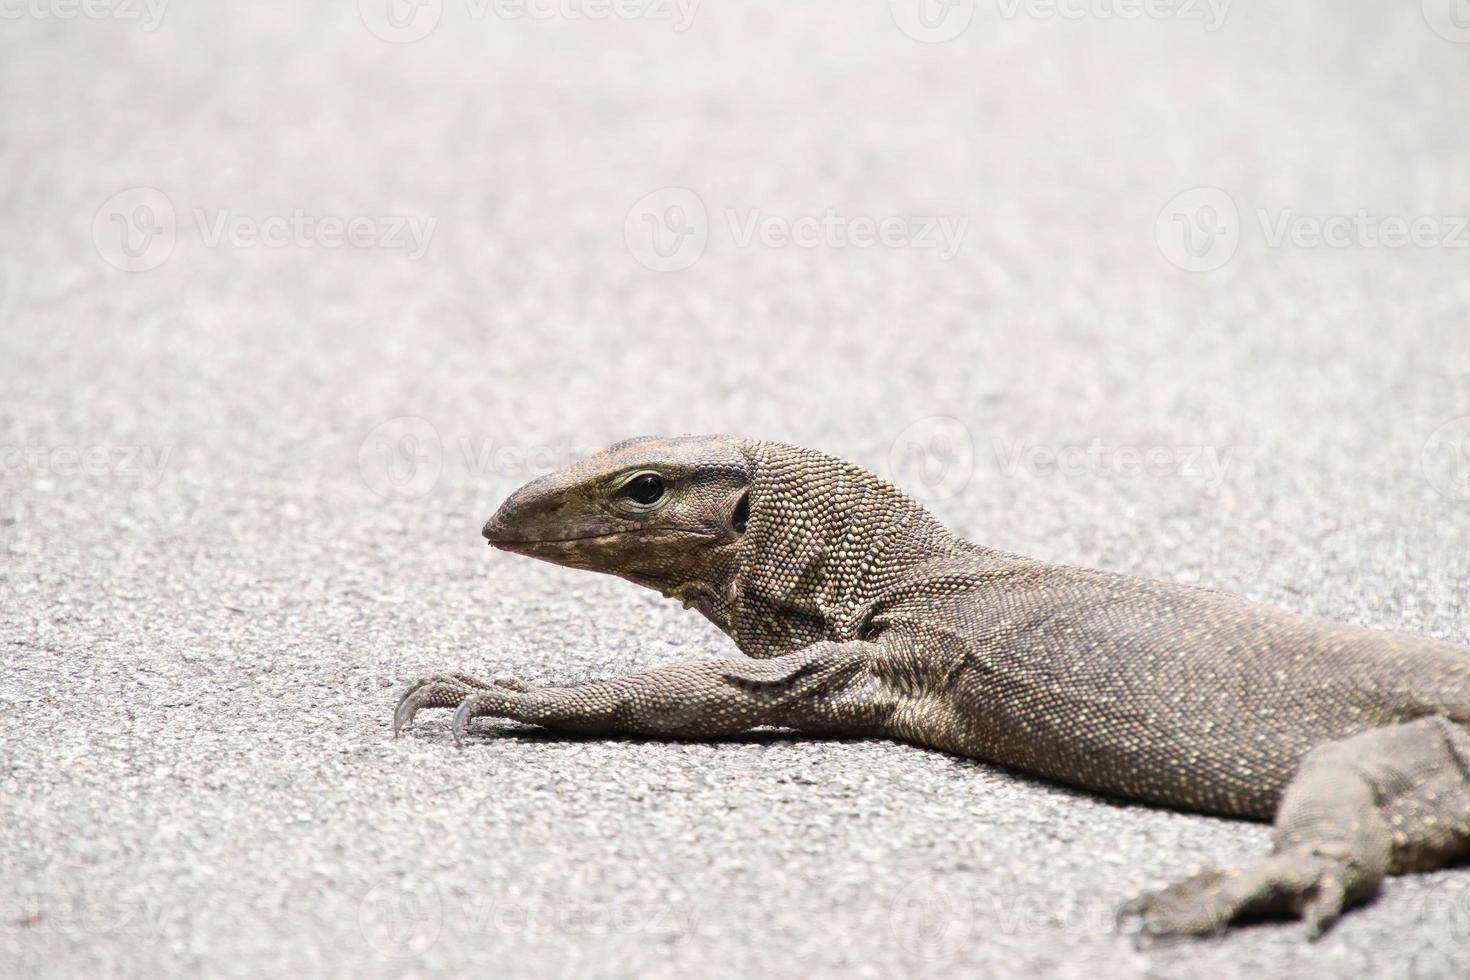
pixel 1385 801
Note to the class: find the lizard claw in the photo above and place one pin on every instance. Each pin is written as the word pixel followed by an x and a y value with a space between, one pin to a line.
pixel 445 691
pixel 461 723
pixel 402 715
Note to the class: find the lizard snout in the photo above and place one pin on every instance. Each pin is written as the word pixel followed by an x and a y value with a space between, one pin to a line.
pixel 500 528
pixel 534 513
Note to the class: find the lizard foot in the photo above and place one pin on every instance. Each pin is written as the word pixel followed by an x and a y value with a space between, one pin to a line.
pixel 446 691
pixel 1297 883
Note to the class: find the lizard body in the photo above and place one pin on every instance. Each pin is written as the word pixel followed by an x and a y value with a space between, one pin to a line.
pixel 861 614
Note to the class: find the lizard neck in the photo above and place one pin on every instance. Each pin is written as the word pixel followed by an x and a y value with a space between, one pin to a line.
pixel 824 538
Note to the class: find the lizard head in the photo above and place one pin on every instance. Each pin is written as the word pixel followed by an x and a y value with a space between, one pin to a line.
pixel 665 513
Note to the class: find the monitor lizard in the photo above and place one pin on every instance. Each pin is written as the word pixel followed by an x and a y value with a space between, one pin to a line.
pixel 860 614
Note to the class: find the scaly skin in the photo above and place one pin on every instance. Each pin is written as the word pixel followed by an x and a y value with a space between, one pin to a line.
pixel 865 616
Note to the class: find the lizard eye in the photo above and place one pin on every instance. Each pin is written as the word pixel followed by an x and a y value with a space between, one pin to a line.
pixel 645 489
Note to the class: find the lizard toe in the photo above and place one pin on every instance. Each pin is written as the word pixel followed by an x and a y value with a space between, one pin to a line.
pixel 498 703
pixel 466 684
pixel 1307 885
pixel 450 677
pixel 1188 907
pixel 440 694
pixel 1322 909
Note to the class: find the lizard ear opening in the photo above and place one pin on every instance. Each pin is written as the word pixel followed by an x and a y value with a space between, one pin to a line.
pixel 741 517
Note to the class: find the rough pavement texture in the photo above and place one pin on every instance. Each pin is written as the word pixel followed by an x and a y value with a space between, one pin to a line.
pixel 205 617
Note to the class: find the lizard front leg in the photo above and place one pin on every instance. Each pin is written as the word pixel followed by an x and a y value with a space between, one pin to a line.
pixel 825 687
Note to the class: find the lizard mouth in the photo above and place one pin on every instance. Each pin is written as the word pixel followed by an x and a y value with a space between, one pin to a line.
pixel 499 541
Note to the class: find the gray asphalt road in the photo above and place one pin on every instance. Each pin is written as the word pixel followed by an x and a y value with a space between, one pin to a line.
pixel 290 300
